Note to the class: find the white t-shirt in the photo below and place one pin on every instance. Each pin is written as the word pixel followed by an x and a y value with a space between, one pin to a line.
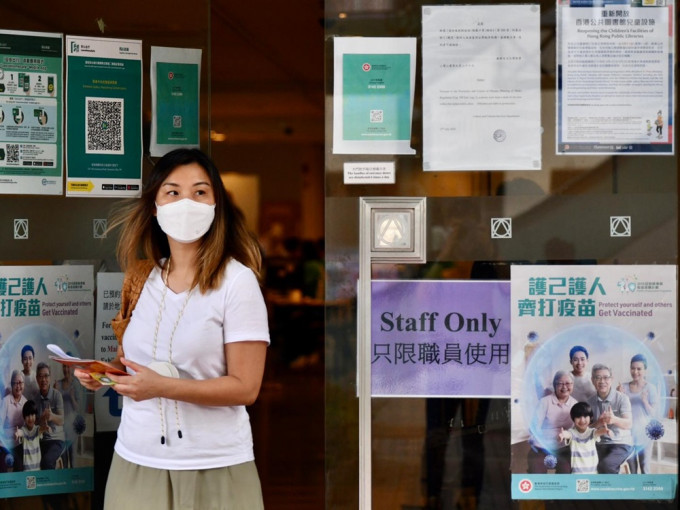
pixel 211 436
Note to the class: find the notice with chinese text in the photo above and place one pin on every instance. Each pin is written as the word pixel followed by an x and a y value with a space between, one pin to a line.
pixel 31 104
pixel 373 95
pixel 615 77
pixel 594 382
pixel 481 87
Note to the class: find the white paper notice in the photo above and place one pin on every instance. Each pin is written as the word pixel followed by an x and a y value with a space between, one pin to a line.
pixel 615 77
pixel 481 87
pixel 369 172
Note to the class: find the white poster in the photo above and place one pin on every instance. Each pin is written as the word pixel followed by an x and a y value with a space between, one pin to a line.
pixel 481 87
pixel 373 95
pixel 615 77
pixel 108 404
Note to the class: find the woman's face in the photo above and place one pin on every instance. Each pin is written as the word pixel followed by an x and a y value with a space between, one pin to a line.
pixel 637 370
pixel 186 181
pixel 579 362
pixel 563 387
pixel 17 387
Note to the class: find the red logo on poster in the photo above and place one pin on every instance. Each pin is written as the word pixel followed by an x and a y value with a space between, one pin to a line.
pixel 366 67
pixel 525 486
pixel 171 75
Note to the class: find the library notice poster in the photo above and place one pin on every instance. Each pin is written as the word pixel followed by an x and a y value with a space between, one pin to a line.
pixel 615 77
pixel 41 305
pixel 175 86
pixel 108 405
pixel 594 382
pixel 440 339
pixel 31 105
pixel 481 87
pixel 373 94
pixel 103 117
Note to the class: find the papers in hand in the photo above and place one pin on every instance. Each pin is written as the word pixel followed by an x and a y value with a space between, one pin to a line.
pixel 97 369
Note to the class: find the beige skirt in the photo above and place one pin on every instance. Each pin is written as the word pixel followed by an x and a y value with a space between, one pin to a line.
pixel 131 486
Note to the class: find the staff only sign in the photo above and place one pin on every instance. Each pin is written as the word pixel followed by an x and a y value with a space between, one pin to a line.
pixel 440 338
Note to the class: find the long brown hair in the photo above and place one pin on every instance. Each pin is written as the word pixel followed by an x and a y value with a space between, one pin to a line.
pixel 227 238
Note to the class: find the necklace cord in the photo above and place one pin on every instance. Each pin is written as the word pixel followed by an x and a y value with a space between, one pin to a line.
pixel 161 308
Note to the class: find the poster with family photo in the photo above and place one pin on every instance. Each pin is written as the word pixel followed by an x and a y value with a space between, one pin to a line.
pixel 594 382
pixel 46 444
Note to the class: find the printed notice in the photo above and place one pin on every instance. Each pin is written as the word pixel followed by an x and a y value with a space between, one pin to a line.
pixel 373 96
pixel 369 172
pixel 481 87
pixel 615 77
pixel 440 339
pixel 175 100
pixel 104 117
pixel 31 102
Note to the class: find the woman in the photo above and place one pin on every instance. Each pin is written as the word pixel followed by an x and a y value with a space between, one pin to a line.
pixel 11 417
pixel 552 415
pixel 583 386
pixel 643 400
pixel 69 389
pixel 194 348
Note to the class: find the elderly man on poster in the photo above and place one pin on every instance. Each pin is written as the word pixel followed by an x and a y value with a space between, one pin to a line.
pixel 611 408
pixel 50 406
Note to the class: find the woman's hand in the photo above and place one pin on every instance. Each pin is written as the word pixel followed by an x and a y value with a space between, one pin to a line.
pixel 87 380
pixel 143 385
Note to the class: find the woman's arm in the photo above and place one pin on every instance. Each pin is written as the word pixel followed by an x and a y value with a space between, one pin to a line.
pixel 241 385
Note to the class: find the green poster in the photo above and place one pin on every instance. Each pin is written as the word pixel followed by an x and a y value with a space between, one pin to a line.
pixel 177 107
pixel 175 99
pixel 104 117
pixel 376 97
pixel 31 113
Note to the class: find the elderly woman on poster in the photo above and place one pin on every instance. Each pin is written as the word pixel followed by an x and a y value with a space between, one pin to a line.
pixel 552 415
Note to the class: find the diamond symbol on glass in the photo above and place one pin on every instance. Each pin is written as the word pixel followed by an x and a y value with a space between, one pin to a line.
pixel 501 228
pixel 21 228
pixel 99 227
pixel 619 226
pixel 392 230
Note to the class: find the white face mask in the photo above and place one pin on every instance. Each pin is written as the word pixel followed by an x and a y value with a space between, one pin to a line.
pixel 185 220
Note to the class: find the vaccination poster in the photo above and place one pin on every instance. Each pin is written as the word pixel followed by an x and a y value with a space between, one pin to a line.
pixel 103 117
pixel 31 103
pixel 594 382
pixel 46 440
pixel 440 338
pixel 615 61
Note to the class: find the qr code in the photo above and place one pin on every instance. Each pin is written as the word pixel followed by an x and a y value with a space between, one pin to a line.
pixel 176 121
pixel 582 485
pixel 31 482
pixel 377 116
pixel 12 153
pixel 103 125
